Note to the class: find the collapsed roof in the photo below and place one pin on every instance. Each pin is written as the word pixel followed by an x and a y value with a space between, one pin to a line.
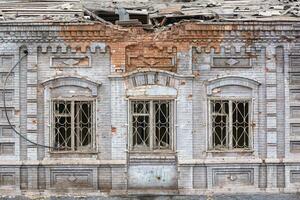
pixel 147 13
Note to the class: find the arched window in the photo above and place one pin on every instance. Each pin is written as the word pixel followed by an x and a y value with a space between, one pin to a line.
pixel 231 106
pixel 151 95
pixel 72 113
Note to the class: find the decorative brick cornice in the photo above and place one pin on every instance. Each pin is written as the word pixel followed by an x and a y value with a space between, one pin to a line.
pixel 182 32
pixel 132 48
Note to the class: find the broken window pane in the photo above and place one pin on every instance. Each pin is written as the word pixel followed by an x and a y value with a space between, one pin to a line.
pixel 73 125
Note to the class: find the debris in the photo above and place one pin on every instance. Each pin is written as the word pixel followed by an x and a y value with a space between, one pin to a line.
pixel 132 22
pixel 148 13
pixel 95 16
pixel 123 14
pixel 171 10
pixel 269 13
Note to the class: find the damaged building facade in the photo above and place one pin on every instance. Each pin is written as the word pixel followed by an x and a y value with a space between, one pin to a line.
pixel 192 107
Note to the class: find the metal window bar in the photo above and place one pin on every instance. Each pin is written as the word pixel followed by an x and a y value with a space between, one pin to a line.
pixel 150 124
pixel 240 124
pixel 73 125
pixel 140 111
pixel 162 124
pixel 220 121
pixel 230 124
pixel 62 124
pixel 83 125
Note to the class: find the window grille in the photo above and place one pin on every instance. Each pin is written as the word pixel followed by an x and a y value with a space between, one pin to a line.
pixel 73 125
pixel 230 124
pixel 151 124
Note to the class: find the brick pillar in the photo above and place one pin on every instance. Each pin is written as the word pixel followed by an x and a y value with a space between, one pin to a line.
pixel 23 103
pixel 32 103
pixel 271 97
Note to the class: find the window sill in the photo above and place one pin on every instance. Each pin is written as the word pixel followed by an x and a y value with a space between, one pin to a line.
pixel 73 154
pixel 152 156
pixel 166 151
pixel 230 151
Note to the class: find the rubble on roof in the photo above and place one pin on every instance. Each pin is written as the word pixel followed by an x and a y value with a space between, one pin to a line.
pixel 32 10
pixel 148 13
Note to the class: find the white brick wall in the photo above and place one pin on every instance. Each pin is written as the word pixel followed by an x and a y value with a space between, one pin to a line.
pixel 271 130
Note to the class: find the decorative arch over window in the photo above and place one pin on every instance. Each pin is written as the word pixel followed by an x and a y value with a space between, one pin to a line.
pixel 231 81
pixel 152 91
pixel 149 77
pixel 152 94
pixel 70 107
pixel 73 81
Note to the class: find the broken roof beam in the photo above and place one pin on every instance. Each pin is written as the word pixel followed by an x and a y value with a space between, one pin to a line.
pixel 90 13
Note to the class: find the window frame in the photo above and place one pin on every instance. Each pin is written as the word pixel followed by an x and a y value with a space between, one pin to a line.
pixel 93 147
pixel 172 128
pixel 229 134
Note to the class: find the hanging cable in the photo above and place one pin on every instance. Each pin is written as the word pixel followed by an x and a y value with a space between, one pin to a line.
pixel 5 108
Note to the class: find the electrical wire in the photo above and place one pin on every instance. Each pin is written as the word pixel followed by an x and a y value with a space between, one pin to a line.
pixel 5 108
